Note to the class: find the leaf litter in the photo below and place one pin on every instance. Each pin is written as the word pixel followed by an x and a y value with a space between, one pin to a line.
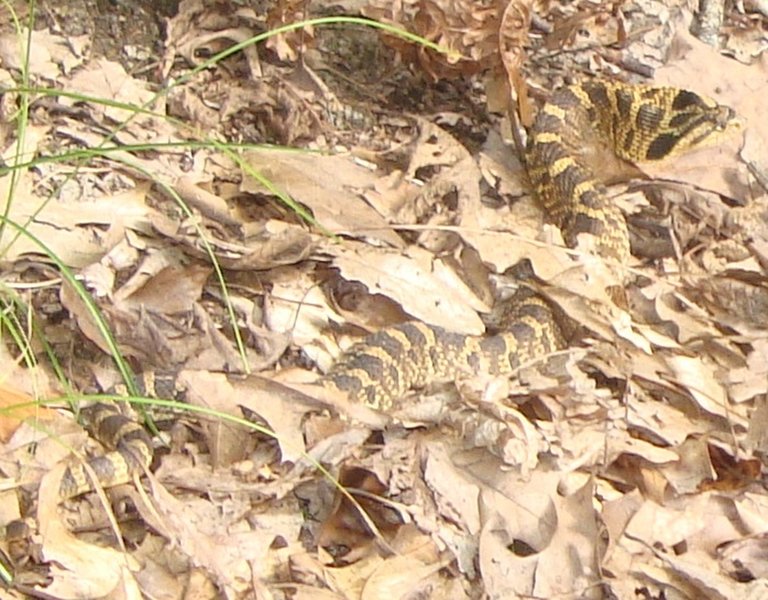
pixel 629 465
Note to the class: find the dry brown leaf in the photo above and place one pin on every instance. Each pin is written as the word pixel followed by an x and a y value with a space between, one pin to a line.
pixel 79 569
pixel 49 54
pixel 227 442
pixel 297 307
pixel 165 574
pixel 15 406
pixel 417 281
pixel 233 554
pixel 513 37
pixel 689 325
pixel 20 392
pixel 288 44
pixel 108 80
pixel 688 474
pixel 264 246
pixel 74 247
pixel 331 186
pixel 745 559
pixel 637 418
pixel 282 414
pixel 700 570
pixel 172 289
pixel 701 380
pixel 659 420
pixel 508 434
pixel 554 535
pixel 455 495
pixel 594 26
pixel 749 382
pixel 79 310
pixel 403 575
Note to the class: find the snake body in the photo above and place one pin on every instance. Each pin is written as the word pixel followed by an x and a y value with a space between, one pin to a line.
pixel 131 452
pixel 379 370
pixel 636 123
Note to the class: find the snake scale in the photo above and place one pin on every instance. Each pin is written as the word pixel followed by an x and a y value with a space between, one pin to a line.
pixel 131 452
pixel 637 123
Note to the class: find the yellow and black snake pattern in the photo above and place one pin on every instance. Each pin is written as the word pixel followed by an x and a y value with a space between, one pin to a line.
pixel 637 123
pixel 130 452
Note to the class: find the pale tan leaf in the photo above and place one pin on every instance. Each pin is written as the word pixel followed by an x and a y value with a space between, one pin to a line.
pixel 103 78
pixel 698 378
pixel 79 569
pixel 331 186
pixel 415 280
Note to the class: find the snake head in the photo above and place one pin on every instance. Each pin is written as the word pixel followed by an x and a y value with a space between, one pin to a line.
pixel 693 121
